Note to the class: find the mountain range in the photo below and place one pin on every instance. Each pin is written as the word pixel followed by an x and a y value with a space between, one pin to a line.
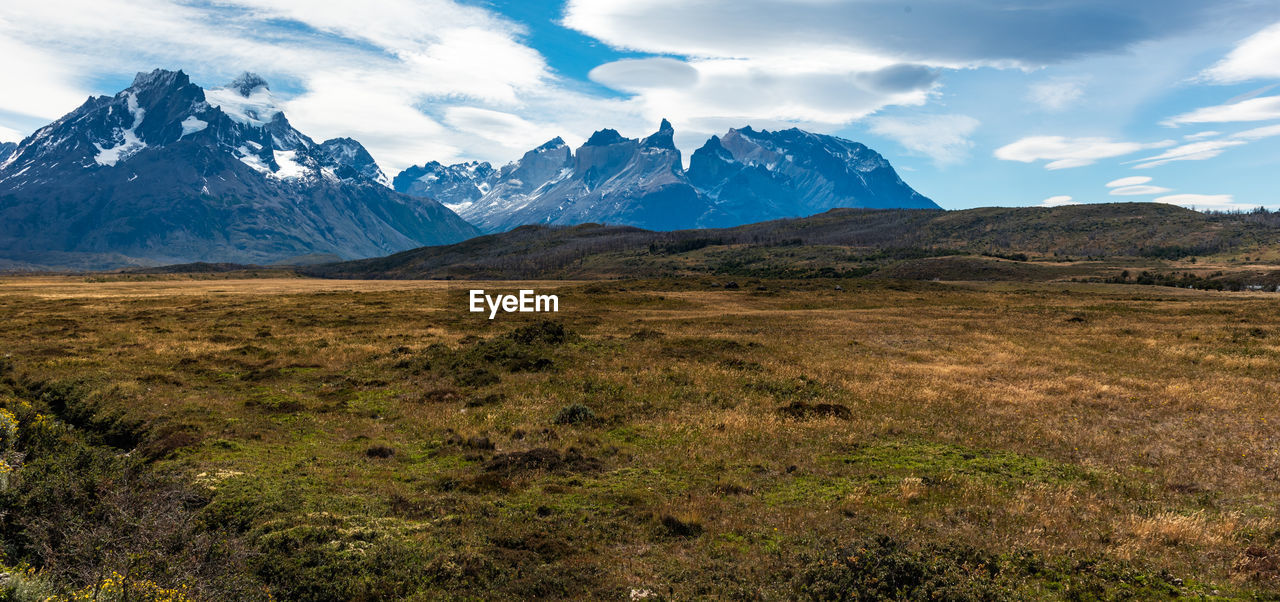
pixel 167 172
pixel 742 177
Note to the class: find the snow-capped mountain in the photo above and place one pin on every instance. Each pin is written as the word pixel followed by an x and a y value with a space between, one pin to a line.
pixel 167 172
pixel 6 149
pixel 477 190
pixel 744 176
pixel 608 179
pixel 752 176
pixel 461 183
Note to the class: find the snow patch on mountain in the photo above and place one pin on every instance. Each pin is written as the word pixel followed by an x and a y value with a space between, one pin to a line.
pixel 289 165
pixel 192 124
pixel 129 142
pixel 255 162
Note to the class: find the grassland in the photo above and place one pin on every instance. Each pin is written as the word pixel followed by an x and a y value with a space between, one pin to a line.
pixel 672 439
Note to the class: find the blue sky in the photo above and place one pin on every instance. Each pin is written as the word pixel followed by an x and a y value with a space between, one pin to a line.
pixel 978 103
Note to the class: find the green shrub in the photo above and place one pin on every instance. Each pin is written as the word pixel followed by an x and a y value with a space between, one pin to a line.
pixel 545 332
pixel 882 568
pixel 574 414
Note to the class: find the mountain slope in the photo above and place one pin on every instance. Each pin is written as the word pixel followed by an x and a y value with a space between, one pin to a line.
pixel 754 176
pixel 461 183
pixel 164 173
pixel 745 177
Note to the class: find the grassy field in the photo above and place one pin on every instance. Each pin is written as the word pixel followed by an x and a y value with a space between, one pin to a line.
pixel 307 439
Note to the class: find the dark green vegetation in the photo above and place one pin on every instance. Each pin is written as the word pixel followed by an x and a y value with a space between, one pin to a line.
pixel 1027 243
pixel 340 440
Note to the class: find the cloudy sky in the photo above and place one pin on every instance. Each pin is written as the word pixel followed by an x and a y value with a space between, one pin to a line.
pixel 978 103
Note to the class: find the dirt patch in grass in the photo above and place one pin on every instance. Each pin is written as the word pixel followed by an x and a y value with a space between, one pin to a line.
pixel 800 410
pixel 541 459
pixel 1259 564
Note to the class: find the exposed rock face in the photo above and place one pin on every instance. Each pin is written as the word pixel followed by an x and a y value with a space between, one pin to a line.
pixel 166 172
pixel 754 176
pixel 744 176
pixel 456 185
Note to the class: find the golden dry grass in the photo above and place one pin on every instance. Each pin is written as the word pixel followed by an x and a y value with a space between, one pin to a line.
pixel 1134 424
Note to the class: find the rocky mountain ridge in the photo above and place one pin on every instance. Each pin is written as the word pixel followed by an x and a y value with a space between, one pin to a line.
pixel 742 177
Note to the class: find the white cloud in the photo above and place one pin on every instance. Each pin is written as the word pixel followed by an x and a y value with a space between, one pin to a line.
pixel 1139 190
pixel 1195 151
pixel 765 92
pixel 822 64
pixel 1129 181
pixel 1204 147
pixel 1258 133
pixel 1056 94
pixel 1202 135
pixel 438 79
pixel 637 75
pixel 1253 109
pixel 1203 201
pixel 10 135
pixel 944 138
pixel 394 77
pixel 38 84
pixel 1062 152
pixel 376 113
pixel 1214 202
pixel 1258 56
pixel 499 129
pixel 1057 201
pixel 941 33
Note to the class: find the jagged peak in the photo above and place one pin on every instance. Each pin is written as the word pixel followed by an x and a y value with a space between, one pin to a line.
pixel 712 144
pixel 605 137
pixel 556 142
pixel 247 82
pixel 159 76
pixel 345 149
pixel 663 138
pixel 343 141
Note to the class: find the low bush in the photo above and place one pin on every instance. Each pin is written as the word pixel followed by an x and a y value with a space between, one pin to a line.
pixel 574 414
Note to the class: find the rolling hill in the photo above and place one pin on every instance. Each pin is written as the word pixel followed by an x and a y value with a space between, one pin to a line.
pixel 841 241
